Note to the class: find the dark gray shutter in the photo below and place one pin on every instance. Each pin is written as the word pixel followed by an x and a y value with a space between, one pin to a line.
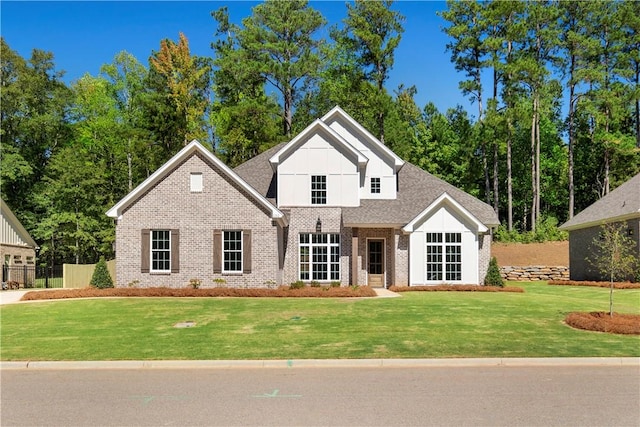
pixel 217 251
pixel 175 251
pixel 246 251
pixel 145 242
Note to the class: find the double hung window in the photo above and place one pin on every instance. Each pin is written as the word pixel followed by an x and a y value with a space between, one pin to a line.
pixel 375 185
pixel 319 256
pixel 161 250
pixel 318 189
pixel 232 241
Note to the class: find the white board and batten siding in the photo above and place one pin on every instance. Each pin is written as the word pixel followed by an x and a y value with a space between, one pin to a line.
pixel 317 156
pixel 444 219
pixel 377 167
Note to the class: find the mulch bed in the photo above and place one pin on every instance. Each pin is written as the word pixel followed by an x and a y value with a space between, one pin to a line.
pixel 456 288
pixel 600 321
pixel 282 292
pixel 616 285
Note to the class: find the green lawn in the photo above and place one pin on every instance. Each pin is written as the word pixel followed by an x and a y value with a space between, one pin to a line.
pixel 419 324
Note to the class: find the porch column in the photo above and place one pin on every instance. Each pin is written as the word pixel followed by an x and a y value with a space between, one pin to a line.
pixel 392 259
pixel 354 257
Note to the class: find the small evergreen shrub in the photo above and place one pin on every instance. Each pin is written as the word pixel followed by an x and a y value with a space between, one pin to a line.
pixel 335 284
pixel 101 278
pixel 493 277
pixel 297 285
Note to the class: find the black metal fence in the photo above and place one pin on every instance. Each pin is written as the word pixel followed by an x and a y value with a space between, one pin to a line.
pixel 31 276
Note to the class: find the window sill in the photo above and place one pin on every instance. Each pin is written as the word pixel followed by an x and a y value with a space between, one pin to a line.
pixel 160 273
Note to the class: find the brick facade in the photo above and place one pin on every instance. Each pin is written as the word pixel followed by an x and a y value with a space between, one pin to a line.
pixel 484 256
pixel 225 203
pixel 221 205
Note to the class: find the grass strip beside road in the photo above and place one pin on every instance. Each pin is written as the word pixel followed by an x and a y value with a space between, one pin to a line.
pixel 417 325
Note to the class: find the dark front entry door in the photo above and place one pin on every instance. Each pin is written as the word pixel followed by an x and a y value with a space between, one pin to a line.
pixel 375 263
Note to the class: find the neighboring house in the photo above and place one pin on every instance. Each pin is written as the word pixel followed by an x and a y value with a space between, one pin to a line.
pixel 332 205
pixel 17 248
pixel 622 205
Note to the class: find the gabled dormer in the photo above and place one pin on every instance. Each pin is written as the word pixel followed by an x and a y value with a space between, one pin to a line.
pixel 380 176
pixel 318 168
pixel 334 162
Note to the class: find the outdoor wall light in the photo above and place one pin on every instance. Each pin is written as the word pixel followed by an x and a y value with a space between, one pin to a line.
pixel 318 226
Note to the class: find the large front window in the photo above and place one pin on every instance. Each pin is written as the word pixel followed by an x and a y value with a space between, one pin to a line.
pixel 319 256
pixel 160 250
pixel 318 190
pixel 444 256
pixel 232 241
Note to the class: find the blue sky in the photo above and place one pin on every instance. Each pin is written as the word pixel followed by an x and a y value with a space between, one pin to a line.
pixel 85 35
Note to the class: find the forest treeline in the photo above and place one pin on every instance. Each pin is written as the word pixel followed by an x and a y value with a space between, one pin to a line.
pixel 556 128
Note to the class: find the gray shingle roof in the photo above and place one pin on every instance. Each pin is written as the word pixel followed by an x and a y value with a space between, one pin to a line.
pixel 620 204
pixel 417 189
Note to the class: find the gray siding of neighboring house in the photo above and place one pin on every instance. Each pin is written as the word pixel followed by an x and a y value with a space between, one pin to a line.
pixel 582 250
pixel 222 205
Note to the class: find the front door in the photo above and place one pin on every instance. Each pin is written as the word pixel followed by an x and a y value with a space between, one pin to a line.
pixel 375 263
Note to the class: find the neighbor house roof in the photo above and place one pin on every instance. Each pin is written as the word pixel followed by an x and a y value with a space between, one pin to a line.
pixel 20 232
pixel 621 204
pixel 417 190
pixel 189 150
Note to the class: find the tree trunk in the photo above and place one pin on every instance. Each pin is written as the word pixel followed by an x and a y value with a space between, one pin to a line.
pixel 538 169
pixel 129 166
pixel 288 105
pixel 509 179
pixel 533 166
pixel 572 107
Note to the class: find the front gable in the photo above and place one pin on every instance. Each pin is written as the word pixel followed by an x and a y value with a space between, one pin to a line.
pixel 318 155
pixel 208 163
pixel 380 176
pixel 443 244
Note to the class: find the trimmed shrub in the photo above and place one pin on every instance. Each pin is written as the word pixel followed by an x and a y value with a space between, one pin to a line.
pixel 493 277
pixel 297 285
pixel 101 278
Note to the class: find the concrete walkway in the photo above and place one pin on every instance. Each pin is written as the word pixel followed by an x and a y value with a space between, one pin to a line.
pixel 13 296
pixel 385 293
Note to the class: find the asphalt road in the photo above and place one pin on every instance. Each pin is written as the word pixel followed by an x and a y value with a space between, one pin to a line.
pixel 438 396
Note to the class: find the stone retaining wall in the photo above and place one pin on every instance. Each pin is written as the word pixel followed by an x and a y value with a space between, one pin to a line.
pixel 534 273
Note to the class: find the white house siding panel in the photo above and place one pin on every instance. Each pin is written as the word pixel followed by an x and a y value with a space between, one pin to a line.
pixel 171 205
pixel 317 156
pixel 9 234
pixel 377 167
pixel 444 220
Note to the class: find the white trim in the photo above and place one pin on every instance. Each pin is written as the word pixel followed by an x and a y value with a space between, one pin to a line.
pixel 443 262
pixel 384 259
pixel 193 147
pixel 222 269
pixel 151 269
pixel 444 197
pixel 328 245
pixel 285 151
pixel 398 162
